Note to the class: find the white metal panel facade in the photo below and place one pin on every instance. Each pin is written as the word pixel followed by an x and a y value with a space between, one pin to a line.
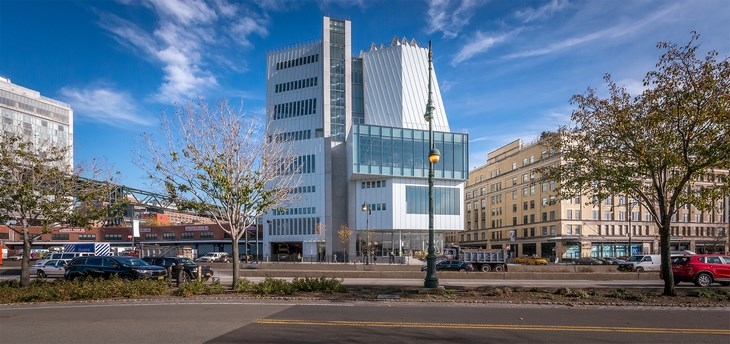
pixel 396 88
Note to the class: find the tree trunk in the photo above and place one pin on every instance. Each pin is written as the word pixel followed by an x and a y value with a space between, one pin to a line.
pixel 25 263
pixel 666 268
pixel 236 261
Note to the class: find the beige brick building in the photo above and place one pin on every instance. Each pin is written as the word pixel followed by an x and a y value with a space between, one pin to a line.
pixel 506 209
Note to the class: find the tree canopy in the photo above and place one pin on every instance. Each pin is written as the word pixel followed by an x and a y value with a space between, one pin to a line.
pixel 666 147
pixel 40 187
pixel 218 163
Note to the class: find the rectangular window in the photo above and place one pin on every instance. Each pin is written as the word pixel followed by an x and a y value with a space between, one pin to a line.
pixel 168 236
pixel 87 237
pixel 59 236
pixel 187 235
pixel 112 237
pixel 150 236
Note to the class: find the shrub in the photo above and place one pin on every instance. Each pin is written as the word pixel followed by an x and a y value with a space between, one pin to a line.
pixel 244 286
pixel 327 285
pixel 626 295
pixel 80 289
pixel 713 294
pixel 200 288
pixel 274 286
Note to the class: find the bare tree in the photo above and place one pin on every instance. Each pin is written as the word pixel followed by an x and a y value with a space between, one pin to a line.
pixel 218 163
pixel 665 148
pixel 345 236
pixel 40 188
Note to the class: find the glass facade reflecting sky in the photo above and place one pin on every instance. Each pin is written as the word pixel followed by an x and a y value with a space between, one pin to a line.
pixel 404 152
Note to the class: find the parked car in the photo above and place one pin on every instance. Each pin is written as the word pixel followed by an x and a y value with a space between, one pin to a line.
pixel 587 261
pixel 531 260
pixel 49 268
pixel 648 262
pixel 18 256
pixel 611 260
pixel 67 256
pixel 127 268
pixel 190 269
pixel 221 257
pixel 701 269
pixel 451 265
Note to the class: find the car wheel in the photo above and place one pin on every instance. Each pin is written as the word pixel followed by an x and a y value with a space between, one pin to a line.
pixel 462 270
pixel 499 268
pixel 41 274
pixel 639 269
pixel 126 277
pixel 676 281
pixel 703 280
pixel 486 268
pixel 184 277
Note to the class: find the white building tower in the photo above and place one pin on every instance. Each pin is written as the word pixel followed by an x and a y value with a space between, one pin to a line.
pixel 357 125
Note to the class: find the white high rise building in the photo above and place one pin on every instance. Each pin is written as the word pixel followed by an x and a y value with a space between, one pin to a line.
pixel 42 120
pixel 357 125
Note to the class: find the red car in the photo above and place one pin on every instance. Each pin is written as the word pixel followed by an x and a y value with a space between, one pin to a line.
pixel 702 269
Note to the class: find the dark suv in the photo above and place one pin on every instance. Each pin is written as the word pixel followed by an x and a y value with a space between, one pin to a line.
pixel 189 267
pixel 127 268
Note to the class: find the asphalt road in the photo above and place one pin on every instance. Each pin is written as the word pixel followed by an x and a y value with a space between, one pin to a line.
pixel 247 321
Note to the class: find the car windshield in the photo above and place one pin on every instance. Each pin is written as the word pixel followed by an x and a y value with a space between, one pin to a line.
pixel 680 260
pixel 635 259
pixel 133 262
pixel 187 261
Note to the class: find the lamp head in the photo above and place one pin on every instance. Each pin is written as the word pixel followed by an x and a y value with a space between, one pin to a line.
pixel 364 206
pixel 434 156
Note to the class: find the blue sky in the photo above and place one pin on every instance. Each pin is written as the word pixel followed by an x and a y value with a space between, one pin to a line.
pixel 506 68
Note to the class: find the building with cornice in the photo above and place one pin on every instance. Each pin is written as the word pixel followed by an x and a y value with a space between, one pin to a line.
pixel 506 209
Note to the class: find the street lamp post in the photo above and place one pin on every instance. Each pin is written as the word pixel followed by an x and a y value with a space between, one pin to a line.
pixel 630 206
pixel 431 281
pixel 366 208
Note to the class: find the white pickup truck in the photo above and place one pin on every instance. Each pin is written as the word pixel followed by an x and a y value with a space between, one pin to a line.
pixel 221 257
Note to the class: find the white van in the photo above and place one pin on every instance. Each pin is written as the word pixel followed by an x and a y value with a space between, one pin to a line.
pixel 643 262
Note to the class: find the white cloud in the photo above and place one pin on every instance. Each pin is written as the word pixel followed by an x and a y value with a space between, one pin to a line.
pixel 190 40
pixel 633 87
pixel 544 11
pixel 104 105
pixel 480 44
pixel 621 28
pixel 443 17
pixel 185 12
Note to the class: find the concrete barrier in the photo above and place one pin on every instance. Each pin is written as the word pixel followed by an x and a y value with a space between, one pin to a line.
pixel 514 272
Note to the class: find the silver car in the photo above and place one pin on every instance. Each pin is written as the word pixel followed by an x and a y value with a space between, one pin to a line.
pixel 49 268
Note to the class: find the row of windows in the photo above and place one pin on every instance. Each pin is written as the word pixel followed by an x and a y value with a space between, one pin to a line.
pixel 295 226
pixel 297 62
pixel 296 84
pixel 147 236
pixel 294 136
pixel 294 211
pixel 301 164
pixel 446 201
pixel 295 109
pixel 372 184
pixel 698 231
pixel 33 106
pixel 183 235
pixel 377 207
pixel 303 189
pixel 404 152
